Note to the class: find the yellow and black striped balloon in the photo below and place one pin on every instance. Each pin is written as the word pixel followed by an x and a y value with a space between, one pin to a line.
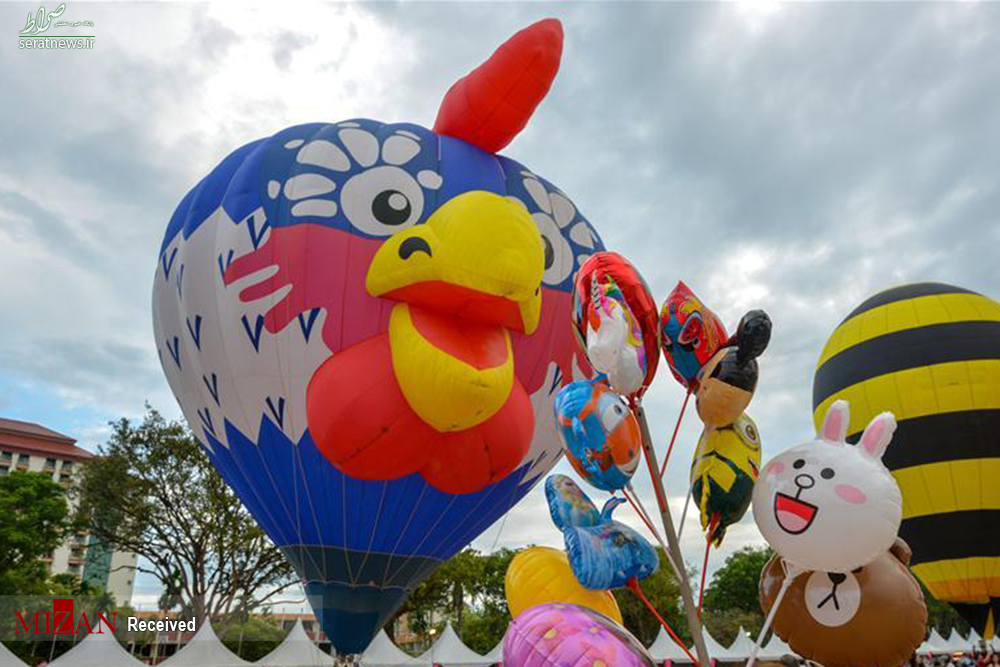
pixel 930 354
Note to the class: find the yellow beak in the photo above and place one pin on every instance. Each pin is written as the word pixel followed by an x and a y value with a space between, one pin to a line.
pixel 479 256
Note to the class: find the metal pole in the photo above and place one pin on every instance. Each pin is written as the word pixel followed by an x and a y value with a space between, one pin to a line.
pixel 690 609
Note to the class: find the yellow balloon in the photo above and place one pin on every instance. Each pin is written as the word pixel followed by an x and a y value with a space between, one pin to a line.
pixel 539 575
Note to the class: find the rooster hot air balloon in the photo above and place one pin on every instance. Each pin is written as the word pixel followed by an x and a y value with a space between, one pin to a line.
pixel 365 324
pixel 930 354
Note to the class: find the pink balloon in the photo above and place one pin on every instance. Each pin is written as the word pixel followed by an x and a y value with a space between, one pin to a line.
pixel 566 635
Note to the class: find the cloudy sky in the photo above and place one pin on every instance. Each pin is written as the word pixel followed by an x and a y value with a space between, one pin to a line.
pixel 795 158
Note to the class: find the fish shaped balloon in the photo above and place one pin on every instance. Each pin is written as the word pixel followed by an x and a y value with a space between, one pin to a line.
pixel 603 553
pixel 600 433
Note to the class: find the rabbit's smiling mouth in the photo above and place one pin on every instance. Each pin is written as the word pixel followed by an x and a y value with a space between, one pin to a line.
pixel 794 516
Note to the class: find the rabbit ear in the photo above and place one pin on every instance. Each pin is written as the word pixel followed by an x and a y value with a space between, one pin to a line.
pixel 838 416
pixel 878 435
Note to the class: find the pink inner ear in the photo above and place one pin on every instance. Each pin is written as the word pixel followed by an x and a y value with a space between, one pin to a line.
pixel 851 494
pixel 873 436
pixel 776 469
pixel 832 425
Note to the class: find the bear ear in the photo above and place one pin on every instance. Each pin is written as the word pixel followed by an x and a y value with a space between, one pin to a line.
pixel 878 435
pixel 838 416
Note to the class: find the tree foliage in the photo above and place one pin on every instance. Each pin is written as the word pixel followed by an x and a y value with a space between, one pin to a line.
pixel 468 591
pixel 36 519
pixel 153 492
pixel 254 637
pixel 732 598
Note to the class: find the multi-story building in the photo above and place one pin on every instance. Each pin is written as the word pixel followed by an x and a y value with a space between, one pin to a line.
pixel 27 446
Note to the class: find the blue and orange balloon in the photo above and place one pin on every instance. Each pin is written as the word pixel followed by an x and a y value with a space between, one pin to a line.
pixel 364 324
pixel 602 437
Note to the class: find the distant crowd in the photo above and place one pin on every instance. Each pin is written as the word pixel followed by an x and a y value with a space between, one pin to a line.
pixel 987 658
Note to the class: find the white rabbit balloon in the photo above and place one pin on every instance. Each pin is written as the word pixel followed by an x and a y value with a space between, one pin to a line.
pixel 828 505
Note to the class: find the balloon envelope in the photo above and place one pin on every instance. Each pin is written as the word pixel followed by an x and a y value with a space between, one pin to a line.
pixel 930 354
pixel 282 273
pixel 874 616
pixel 690 334
pixel 637 304
pixel 566 635
pixel 538 575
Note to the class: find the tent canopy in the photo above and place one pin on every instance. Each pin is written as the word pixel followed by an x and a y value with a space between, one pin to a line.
pixel 204 650
pixel 383 653
pixel 775 649
pixel 8 659
pixel 97 650
pixel 664 648
pixel 449 651
pixel 742 646
pixel 297 650
pixel 496 655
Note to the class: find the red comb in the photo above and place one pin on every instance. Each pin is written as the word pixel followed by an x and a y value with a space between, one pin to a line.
pixel 492 103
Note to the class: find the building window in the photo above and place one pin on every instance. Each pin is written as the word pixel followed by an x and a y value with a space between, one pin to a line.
pixel 22 460
pixel 67 465
pixel 50 463
pixel 3 471
pixel 74 568
pixel 6 457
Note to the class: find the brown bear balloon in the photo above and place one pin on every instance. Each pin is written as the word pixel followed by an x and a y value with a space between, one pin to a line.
pixel 874 616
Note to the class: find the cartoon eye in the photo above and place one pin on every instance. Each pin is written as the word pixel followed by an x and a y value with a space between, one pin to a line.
pixel 799 463
pixel 827 473
pixel 690 335
pixel 382 201
pixel 613 414
pixel 558 253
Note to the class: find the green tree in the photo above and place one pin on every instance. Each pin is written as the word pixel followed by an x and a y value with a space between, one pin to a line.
pixel 154 492
pixel 942 616
pixel 663 593
pixel 36 519
pixel 253 638
pixel 734 586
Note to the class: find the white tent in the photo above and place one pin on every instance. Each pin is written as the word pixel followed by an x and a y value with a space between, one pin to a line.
pixel 956 643
pixel 974 639
pixel 496 655
pixel 936 642
pixel 717 651
pixel 97 650
pixel 8 659
pixel 775 649
pixel 204 650
pixel 383 653
pixel 664 648
pixel 450 651
pixel 995 643
pixel 742 646
pixel 932 645
pixel 296 651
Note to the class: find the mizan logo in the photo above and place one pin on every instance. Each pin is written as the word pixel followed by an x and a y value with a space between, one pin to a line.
pixel 62 621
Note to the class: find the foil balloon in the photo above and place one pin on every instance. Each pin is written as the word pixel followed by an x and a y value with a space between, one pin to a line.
pixel 930 354
pixel 723 474
pixel 566 635
pixel 726 383
pixel 873 616
pixel 365 326
pixel 828 505
pixel 614 338
pixel 616 321
pixel 603 553
pixel 690 334
pixel 601 435
pixel 538 575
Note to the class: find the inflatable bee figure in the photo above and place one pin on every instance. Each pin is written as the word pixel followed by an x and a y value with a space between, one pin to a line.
pixel 723 474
